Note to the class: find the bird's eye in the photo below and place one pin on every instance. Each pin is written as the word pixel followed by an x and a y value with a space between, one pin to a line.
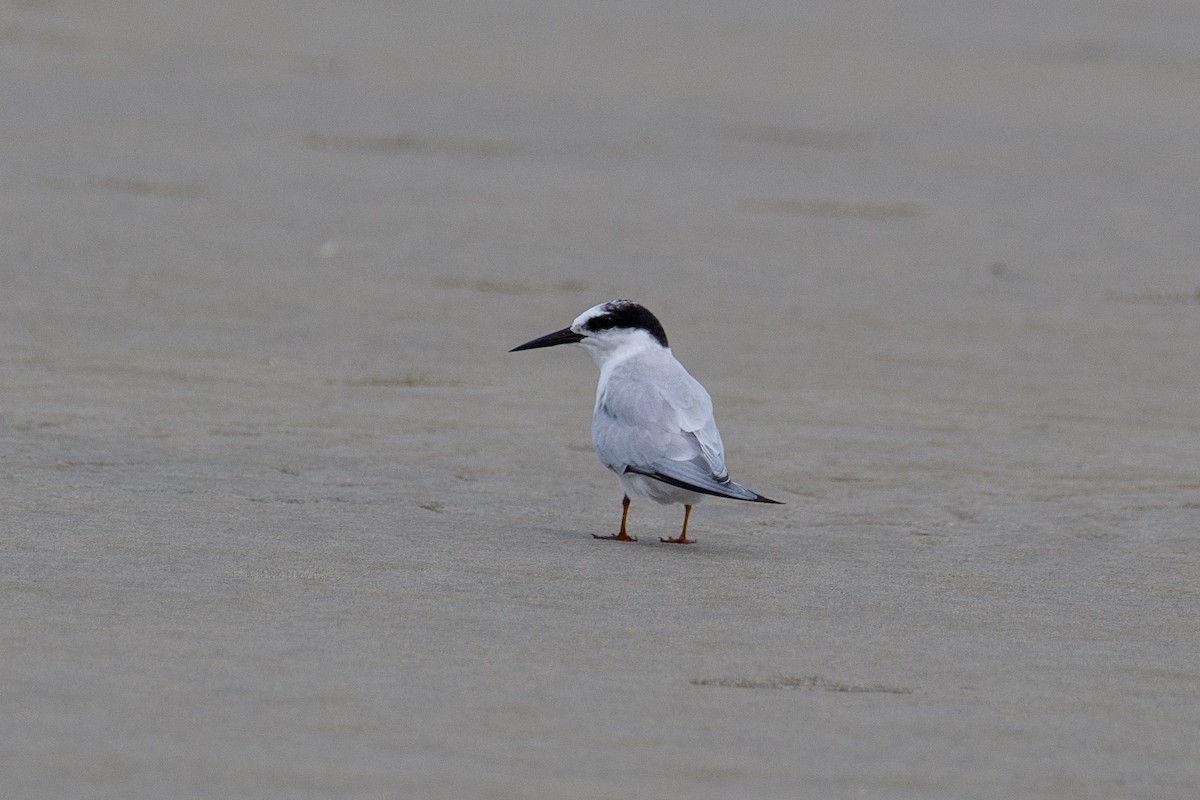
pixel 601 323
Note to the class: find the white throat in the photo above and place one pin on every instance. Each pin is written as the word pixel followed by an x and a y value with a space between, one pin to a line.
pixel 608 350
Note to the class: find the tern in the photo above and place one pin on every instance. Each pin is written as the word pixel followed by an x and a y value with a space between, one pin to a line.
pixel 653 423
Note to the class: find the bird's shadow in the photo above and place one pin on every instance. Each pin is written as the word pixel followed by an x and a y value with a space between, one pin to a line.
pixel 703 544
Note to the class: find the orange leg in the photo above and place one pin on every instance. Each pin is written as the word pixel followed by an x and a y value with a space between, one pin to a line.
pixel 683 539
pixel 622 536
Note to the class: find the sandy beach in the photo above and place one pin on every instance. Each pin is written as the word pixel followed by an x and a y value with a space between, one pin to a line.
pixel 284 519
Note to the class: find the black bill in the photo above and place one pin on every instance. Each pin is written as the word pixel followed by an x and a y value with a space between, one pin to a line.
pixel 565 336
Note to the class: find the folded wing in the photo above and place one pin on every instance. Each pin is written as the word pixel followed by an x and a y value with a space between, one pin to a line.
pixel 653 418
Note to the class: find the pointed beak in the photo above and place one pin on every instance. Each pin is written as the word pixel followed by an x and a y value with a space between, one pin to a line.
pixel 565 336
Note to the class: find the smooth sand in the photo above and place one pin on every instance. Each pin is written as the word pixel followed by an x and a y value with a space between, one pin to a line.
pixel 283 519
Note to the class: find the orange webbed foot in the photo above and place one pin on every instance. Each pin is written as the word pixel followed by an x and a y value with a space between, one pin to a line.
pixel 622 536
pixel 682 538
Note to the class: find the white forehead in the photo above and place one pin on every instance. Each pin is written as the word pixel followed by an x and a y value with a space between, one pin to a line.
pixel 593 312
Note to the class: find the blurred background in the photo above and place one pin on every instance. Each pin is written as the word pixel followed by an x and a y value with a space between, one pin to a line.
pixel 283 518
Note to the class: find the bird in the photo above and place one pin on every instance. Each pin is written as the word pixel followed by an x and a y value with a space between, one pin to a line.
pixel 653 422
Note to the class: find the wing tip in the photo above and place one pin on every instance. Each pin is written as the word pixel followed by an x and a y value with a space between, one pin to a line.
pixel 728 489
pixel 754 497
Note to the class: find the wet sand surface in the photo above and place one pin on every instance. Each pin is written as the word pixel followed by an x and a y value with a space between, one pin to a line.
pixel 283 519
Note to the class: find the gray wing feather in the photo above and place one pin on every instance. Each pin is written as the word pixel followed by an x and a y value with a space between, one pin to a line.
pixel 651 413
pixel 690 475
